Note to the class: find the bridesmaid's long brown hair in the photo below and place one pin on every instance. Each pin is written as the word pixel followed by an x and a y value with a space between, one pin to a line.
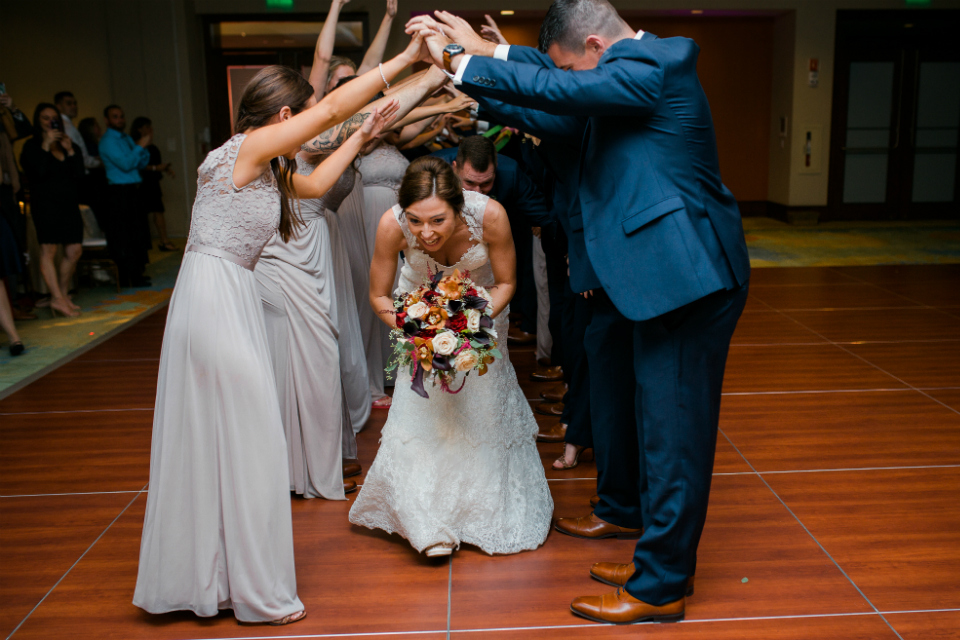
pixel 270 90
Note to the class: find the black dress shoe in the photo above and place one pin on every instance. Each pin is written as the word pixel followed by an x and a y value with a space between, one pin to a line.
pixel 16 348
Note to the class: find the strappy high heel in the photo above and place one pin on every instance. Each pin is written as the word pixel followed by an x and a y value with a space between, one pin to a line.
pixel 563 459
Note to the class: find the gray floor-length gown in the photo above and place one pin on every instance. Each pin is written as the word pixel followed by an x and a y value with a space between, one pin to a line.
pixel 295 280
pixel 360 253
pixel 382 171
pixel 354 375
pixel 218 532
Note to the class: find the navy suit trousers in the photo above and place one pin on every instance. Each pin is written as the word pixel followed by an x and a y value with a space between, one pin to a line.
pixel 679 361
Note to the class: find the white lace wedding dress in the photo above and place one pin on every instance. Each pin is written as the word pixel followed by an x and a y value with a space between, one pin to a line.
pixel 460 468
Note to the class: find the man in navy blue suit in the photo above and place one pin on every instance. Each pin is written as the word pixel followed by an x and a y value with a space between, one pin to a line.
pixel 665 240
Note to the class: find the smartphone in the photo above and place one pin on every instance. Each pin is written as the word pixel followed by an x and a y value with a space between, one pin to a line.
pixel 3 87
pixel 55 124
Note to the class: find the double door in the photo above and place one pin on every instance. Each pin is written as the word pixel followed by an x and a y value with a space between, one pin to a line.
pixel 896 116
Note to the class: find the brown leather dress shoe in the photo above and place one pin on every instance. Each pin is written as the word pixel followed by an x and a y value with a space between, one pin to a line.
pixel 516 336
pixel 620 607
pixel 593 528
pixel 549 408
pixel 554 393
pixel 616 575
pixel 349 486
pixel 594 501
pixel 351 469
pixel 547 374
pixel 556 433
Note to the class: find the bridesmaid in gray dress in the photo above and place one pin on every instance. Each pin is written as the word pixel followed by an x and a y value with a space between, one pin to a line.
pixel 382 169
pixel 298 290
pixel 218 531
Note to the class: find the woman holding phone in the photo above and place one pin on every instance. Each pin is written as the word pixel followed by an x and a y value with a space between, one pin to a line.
pixel 54 170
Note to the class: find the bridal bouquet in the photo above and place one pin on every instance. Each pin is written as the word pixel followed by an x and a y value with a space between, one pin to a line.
pixel 444 328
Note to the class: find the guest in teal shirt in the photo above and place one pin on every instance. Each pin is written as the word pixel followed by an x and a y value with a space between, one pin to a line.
pixel 127 228
pixel 122 157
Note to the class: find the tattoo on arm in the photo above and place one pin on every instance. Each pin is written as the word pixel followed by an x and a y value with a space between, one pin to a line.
pixel 332 139
pixel 384 311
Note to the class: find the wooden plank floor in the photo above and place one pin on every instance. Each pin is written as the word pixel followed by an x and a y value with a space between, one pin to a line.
pixel 835 510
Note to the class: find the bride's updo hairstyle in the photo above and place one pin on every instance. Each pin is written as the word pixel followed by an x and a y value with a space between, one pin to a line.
pixel 274 88
pixel 430 176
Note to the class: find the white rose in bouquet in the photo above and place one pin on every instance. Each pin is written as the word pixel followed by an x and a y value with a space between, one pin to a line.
pixel 473 320
pixel 483 293
pixel 417 311
pixel 444 343
pixel 466 361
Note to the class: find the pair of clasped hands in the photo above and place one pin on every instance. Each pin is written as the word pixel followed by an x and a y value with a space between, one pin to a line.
pixel 446 29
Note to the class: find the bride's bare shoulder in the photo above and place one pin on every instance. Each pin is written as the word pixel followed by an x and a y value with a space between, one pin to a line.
pixel 389 228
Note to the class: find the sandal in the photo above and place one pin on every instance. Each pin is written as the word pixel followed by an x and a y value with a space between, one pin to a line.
pixel 562 460
pixel 167 246
pixel 290 619
pixel 383 403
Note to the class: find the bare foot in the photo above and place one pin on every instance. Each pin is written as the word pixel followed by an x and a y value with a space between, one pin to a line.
pixel 64 307
pixel 383 403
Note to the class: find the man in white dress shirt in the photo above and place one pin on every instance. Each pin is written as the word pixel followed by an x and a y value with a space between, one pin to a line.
pixel 67 106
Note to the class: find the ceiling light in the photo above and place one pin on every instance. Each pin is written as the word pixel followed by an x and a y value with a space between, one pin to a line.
pixel 507 12
pixel 696 12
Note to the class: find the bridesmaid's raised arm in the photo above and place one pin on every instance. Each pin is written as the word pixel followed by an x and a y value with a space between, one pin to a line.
pixel 287 135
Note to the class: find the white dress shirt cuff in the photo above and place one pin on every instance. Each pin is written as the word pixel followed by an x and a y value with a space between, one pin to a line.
pixel 502 52
pixel 458 79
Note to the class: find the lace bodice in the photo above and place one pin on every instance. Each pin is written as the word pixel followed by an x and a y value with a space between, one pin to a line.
pixel 332 199
pixel 239 221
pixel 418 266
pixel 383 167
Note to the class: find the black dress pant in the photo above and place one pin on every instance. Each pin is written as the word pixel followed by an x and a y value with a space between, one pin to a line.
pixel 525 299
pixel 126 225
pixel 576 314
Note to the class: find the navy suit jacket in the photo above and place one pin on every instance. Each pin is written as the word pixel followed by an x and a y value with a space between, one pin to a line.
pixel 661 229
pixel 513 189
pixel 560 143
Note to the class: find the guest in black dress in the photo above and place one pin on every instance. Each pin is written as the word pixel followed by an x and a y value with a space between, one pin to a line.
pixel 150 192
pixel 54 170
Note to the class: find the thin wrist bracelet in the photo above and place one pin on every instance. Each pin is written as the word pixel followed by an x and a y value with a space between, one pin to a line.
pixel 383 77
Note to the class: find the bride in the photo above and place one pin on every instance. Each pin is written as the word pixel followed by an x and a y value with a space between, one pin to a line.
pixel 460 468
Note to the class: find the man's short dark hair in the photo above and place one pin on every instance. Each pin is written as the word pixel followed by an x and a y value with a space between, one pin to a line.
pixel 569 22
pixel 61 95
pixel 479 151
pixel 106 109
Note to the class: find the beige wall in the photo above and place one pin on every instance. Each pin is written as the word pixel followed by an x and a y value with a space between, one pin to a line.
pixel 136 54
pixel 147 55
